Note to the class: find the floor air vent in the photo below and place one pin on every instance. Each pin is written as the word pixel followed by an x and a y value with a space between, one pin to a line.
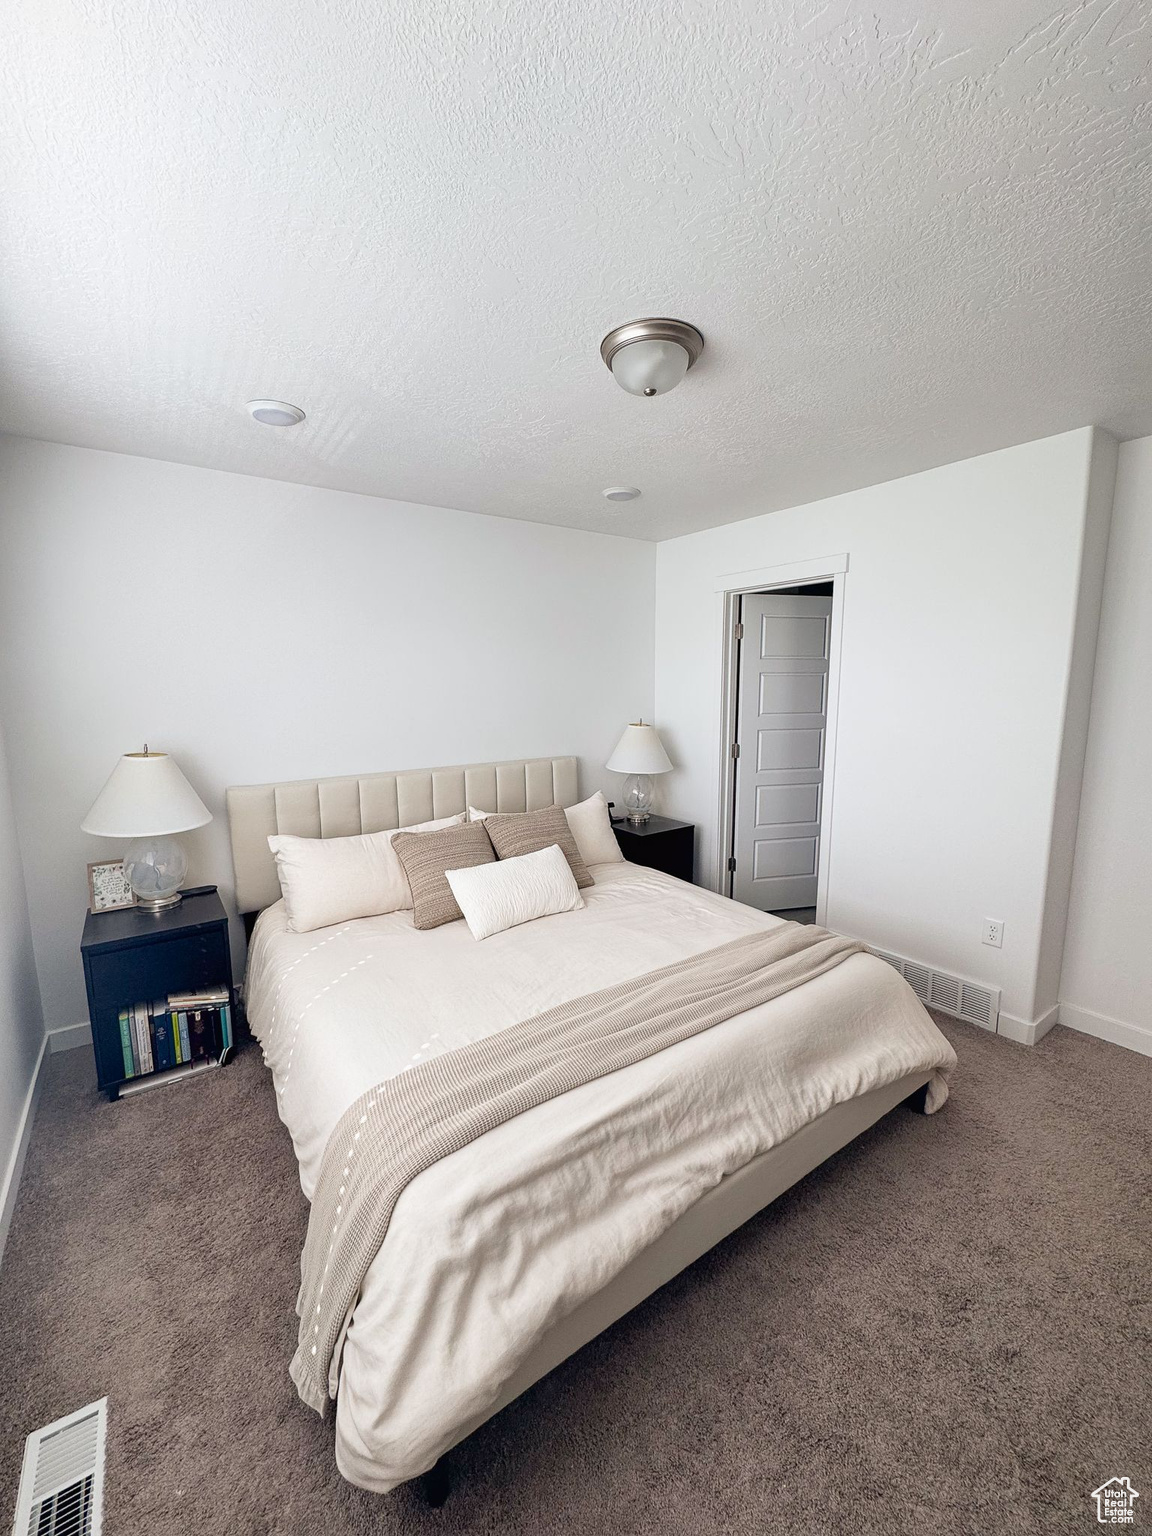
pixel 62 1482
pixel 951 994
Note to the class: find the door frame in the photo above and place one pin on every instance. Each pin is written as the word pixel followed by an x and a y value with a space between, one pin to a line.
pixel 731 588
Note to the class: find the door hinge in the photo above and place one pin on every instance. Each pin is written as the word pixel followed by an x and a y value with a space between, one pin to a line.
pixel 738 632
pixel 735 749
pixel 731 866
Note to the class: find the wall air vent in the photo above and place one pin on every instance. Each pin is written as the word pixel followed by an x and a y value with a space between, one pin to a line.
pixel 62 1482
pixel 967 1000
pixel 893 960
pixel 979 1004
pixel 945 993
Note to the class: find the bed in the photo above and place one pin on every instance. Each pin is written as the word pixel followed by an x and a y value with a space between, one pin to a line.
pixel 511 1253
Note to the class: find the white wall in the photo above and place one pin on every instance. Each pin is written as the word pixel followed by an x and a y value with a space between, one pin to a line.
pixel 1106 985
pixel 259 630
pixel 21 1022
pixel 958 678
pixel 299 631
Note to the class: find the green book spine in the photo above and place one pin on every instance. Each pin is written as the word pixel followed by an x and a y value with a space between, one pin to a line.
pixel 176 1039
pixel 126 1045
pixel 225 1028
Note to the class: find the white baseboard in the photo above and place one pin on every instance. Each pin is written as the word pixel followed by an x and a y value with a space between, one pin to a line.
pixel 70 1038
pixel 1028 1031
pixel 1133 1036
pixel 15 1167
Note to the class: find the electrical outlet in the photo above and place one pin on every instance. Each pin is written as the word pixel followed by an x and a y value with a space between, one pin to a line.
pixel 993 932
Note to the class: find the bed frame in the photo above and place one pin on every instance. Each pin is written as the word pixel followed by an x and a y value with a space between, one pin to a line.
pixel 345 807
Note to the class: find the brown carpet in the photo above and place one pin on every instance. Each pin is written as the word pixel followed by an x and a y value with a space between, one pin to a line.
pixel 944 1329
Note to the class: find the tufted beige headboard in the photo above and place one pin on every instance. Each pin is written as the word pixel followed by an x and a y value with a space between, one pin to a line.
pixel 376 802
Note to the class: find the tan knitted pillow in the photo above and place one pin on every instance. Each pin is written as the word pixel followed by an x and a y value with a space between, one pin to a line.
pixel 424 856
pixel 529 831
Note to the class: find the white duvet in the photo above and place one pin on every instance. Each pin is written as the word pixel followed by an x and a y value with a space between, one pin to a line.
pixel 498 1242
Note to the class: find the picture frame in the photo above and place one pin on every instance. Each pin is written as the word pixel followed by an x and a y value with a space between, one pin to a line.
pixel 108 888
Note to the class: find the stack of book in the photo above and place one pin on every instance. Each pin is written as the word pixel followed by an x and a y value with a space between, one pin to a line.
pixel 186 1029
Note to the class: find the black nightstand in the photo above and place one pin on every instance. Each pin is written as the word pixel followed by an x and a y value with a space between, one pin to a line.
pixel 132 956
pixel 659 843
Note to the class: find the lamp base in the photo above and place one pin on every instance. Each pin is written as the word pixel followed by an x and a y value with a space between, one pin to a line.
pixel 155 867
pixel 638 798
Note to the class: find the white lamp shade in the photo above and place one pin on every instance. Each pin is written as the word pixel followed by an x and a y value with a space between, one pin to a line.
pixel 649 367
pixel 146 796
pixel 639 750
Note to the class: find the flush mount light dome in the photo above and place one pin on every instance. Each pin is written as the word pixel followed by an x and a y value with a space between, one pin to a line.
pixel 620 493
pixel 650 357
pixel 276 413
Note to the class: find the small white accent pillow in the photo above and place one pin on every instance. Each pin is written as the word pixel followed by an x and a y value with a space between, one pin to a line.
pixel 590 824
pixel 326 880
pixel 496 896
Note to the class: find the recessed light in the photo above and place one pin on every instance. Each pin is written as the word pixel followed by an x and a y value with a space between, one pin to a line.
pixel 620 493
pixel 276 413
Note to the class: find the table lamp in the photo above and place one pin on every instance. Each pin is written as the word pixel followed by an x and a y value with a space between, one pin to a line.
pixel 147 799
pixel 639 753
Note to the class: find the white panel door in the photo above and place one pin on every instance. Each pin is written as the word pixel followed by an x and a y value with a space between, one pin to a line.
pixel 781 723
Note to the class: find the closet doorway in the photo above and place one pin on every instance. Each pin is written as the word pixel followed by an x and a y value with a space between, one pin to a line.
pixel 780 693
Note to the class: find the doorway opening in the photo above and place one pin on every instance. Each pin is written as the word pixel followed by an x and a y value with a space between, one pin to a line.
pixel 781 693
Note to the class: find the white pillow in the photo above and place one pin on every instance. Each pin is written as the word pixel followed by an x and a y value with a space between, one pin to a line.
pixel 590 824
pixel 326 880
pixel 496 896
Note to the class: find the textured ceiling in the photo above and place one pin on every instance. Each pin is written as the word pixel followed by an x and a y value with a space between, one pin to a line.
pixel 910 231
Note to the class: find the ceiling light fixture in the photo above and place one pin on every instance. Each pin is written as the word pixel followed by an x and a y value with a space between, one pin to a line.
pixel 620 493
pixel 276 413
pixel 650 357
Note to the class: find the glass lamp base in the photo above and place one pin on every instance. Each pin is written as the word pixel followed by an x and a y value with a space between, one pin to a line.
pixel 155 868
pixel 638 798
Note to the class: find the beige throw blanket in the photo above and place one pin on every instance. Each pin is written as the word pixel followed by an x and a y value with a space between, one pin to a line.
pixel 407 1123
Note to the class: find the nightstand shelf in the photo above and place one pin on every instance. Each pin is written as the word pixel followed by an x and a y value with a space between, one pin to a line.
pixel 659 843
pixel 133 956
